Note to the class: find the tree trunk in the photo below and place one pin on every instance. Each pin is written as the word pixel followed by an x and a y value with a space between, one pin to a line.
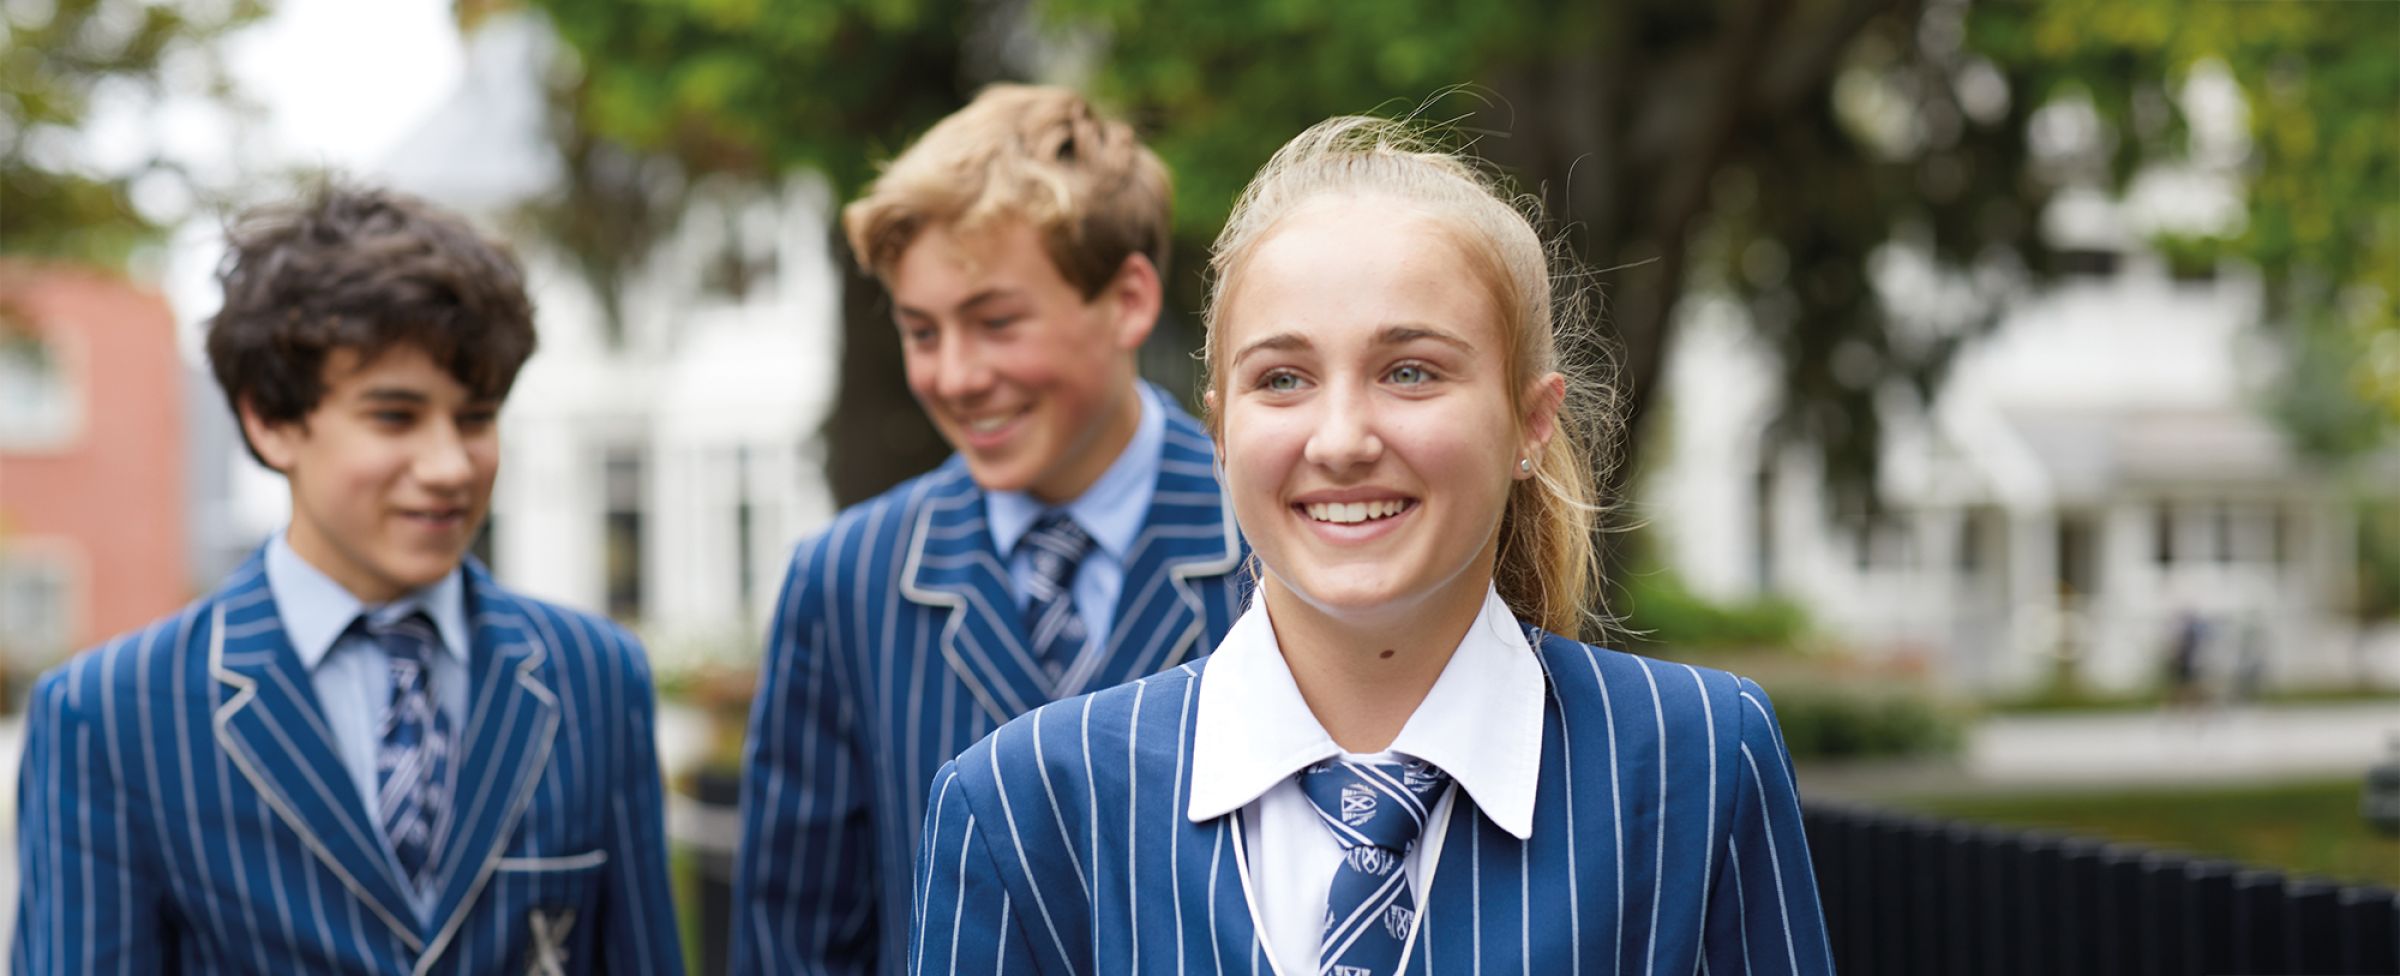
pixel 877 435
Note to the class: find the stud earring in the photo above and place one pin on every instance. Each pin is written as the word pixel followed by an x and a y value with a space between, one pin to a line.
pixel 1524 465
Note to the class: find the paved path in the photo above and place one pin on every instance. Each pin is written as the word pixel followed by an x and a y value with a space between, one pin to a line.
pixel 2145 748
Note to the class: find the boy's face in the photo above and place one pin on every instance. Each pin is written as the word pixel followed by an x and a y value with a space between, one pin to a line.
pixel 1029 381
pixel 391 474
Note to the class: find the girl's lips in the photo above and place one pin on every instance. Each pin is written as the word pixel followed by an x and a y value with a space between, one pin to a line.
pixel 1349 533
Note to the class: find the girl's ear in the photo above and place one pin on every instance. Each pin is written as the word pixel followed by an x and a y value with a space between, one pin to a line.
pixel 1543 400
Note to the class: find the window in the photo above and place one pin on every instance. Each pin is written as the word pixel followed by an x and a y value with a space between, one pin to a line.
pixel 37 404
pixel 622 477
pixel 745 530
pixel 36 600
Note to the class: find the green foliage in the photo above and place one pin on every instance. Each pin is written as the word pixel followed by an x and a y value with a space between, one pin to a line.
pixel 2379 560
pixel 1660 611
pixel 2322 167
pixel 2311 828
pixel 1848 722
pixel 56 57
pixel 1768 150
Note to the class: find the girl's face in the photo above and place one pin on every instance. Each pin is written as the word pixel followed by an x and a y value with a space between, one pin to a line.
pixel 1368 437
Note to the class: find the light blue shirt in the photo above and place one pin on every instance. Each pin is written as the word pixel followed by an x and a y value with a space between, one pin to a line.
pixel 351 673
pixel 1111 511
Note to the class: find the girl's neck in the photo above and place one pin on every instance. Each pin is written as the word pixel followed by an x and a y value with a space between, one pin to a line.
pixel 1364 676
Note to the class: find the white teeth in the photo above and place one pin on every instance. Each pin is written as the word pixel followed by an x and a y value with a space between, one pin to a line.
pixel 1347 513
pixel 986 425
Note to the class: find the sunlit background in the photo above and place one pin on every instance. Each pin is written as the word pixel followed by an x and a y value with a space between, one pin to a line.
pixel 2013 388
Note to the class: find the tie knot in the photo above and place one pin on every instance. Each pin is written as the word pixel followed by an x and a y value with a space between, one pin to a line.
pixel 1058 545
pixel 1382 805
pixel 410 637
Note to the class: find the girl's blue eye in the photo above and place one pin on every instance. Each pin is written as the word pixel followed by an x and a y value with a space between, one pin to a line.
pixel 1410 374
pixel 1281 382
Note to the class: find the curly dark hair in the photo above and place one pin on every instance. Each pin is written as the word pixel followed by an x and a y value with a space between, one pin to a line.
pixel 364 269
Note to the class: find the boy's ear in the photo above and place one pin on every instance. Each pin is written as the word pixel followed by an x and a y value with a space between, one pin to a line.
pixel 1135 296
pixel 276 441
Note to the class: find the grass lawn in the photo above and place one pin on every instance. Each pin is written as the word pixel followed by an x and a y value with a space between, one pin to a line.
pixel 2305 828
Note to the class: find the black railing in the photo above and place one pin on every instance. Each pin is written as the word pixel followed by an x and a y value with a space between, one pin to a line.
pixel 1911 895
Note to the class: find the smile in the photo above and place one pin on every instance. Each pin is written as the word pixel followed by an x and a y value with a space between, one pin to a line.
pixel 1351 513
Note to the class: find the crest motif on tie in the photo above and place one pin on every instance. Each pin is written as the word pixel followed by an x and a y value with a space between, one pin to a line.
pixel 548 955
pixel 1351 971
pixel 1396 920
pixel 1371 860
pixel 1358 804
pixel 1419 775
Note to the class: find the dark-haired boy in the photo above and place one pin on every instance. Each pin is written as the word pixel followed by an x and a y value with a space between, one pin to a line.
pixel 360 755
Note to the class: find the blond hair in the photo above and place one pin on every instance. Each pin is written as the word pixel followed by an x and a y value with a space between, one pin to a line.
pixel 1040 154
pixel 1547 568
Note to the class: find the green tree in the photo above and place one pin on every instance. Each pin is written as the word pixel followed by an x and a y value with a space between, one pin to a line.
pixel 2322 169
pixel 56 57
pixel 1770 148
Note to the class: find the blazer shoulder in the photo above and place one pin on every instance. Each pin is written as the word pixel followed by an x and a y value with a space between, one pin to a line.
pixel 596 637
pixel 156 657
pixel 897 509
pixel 1593 679
pixel 1056 740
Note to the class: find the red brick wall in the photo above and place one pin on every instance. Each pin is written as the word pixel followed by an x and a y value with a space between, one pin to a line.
pixel 112 496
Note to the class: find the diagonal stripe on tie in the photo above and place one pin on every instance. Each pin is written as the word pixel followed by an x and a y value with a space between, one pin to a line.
pixel 1054 630
pixel 413 761
pixel 1375 811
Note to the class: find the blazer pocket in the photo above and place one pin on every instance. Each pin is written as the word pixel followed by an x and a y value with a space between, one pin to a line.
pixel 550 884
pixel 562 862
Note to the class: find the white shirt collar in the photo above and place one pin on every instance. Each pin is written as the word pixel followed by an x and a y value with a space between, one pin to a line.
pixel 1113 509
pixel 316 610
pixel 1481 722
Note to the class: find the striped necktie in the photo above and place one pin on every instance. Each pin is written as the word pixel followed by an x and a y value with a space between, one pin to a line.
pixel 1376 811
pixel 412 766
pixel 1058 633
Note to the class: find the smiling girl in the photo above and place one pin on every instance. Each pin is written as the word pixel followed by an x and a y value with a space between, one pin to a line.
pixel 1400 759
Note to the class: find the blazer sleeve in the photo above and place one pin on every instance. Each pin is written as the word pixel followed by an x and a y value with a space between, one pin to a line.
pixel 1763 912
pixel 637 927
pixel 805 892
pixel 964 919
pixel 91 899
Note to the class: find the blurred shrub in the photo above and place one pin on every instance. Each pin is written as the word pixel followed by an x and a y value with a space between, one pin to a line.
pixel 1832 722
pixel 1660 612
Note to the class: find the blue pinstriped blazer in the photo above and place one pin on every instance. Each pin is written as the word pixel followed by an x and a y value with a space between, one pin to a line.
pixel 183 809
pixel 896 645
pixel 1666 839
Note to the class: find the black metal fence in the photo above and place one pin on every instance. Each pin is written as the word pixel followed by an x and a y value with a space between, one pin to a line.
pixel 1913 895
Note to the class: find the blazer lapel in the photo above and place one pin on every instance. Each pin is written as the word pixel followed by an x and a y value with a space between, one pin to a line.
pixel 1189 536
pixel 267 720
pixel 952 563
pixel 512 719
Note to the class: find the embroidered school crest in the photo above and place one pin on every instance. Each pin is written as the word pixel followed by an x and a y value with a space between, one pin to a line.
pixel 1358 804
pixel 1372 861
pixel 548 955
pixel 1396 920
pixel 1419 776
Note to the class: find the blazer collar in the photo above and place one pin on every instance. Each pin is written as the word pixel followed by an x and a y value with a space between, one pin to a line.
pixel 266 718
pixel 951 562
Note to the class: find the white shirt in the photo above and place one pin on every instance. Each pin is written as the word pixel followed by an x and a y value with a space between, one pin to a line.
pixel 351 674
pixel 1481 723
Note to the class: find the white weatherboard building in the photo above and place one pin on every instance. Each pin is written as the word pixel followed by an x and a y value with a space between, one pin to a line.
pixel 2096 470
